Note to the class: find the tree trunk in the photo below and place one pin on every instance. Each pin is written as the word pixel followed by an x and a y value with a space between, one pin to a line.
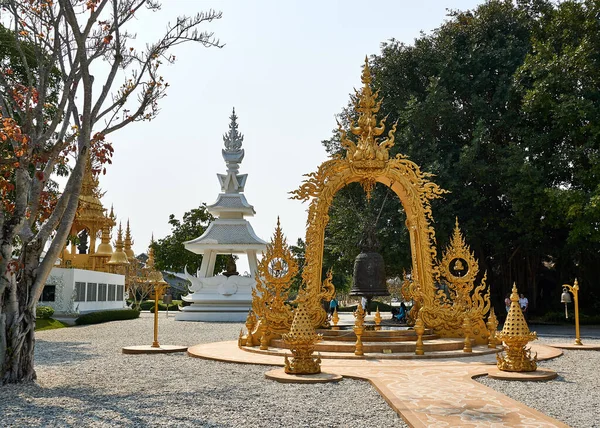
pixel 17 315
pixel 20 339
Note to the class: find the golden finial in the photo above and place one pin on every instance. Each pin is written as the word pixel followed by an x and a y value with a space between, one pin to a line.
pixel 492 326
pixel 150 261
pixel 118 256
pixel 250 324
pixel 301 340
pixel 368 151
pixel 420 330
pixel 359 328
pixel 377 319
pixel 515 334
pixel 154 276
pixel 128 242
pixel 105 249
pixel 88 183
pixel 467 330
pixel 241 338
pixel 335 318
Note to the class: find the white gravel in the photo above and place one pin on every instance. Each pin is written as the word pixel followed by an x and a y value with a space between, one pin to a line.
pixel 573 397
pixel 85 380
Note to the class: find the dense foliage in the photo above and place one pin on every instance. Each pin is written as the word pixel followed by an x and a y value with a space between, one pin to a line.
pixel 502 104
pixel 170 253
pixel 105 316
pixel 44 312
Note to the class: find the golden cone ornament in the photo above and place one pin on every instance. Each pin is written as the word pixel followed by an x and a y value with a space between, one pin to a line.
pixel 301 340
pixel 515 334
pixel 335 318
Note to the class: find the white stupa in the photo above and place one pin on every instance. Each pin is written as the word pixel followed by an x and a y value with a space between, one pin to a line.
pixel 225 297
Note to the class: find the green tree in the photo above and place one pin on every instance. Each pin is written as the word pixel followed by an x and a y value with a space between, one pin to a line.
pixel 501 104
pixel 53 111
pixel 560 85
pixel 170 253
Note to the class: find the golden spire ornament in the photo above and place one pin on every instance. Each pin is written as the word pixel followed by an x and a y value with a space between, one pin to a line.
pixel 420 330
pixel 368 151
pixel 359 328
pixel 118 259
pixel 378 319
pixel 250 324
pixel 467 329
pixel 515 334
pixel 275 273
pixel 302 339
pixel 335 318
pixel 492 326
pixel 128 243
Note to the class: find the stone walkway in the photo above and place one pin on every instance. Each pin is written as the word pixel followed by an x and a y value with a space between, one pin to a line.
pixel 424 392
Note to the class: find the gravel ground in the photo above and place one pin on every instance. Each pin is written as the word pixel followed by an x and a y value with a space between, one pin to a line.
pixel 84 380
pixel 574 396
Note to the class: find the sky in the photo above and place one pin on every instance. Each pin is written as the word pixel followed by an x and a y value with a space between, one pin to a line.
pixel 288 68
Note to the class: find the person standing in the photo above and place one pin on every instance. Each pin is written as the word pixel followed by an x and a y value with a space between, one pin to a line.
pixel 333 304
pixel 524 304
pixel 363 302
pixel 507 302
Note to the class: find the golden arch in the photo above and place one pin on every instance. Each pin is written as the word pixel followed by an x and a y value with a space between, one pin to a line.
pixel 410 185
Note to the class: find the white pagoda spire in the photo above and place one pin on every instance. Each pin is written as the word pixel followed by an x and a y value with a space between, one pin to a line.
pixel 225 298
pixel 233 154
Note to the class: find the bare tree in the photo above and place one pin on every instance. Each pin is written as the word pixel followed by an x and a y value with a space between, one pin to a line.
pixel 52 111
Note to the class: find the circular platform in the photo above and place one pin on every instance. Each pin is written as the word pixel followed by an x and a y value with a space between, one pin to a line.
pixel 280 375
pixel 574 347
pixel 147 349
pixel 537 375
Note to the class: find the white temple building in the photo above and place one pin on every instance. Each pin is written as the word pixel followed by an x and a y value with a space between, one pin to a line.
pixel 226 297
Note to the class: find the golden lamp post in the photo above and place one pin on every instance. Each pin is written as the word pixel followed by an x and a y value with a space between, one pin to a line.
pixel 159 290
pixel 153 277
pixel 566 298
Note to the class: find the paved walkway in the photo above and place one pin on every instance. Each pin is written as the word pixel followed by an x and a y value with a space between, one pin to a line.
pixel 424 392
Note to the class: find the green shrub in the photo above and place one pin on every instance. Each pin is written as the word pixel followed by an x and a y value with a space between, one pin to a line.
pixel 146 305
pixel 163 307
pixel 48 324
pixel 105 316
pixel 44 312
pixel 554 317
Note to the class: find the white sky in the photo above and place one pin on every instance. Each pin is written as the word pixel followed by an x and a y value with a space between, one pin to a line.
pixel 288 67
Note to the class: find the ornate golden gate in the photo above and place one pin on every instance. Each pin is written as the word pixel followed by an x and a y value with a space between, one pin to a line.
pixel 367 161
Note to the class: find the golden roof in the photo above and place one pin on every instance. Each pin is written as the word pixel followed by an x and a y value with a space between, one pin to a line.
pixel 515 325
